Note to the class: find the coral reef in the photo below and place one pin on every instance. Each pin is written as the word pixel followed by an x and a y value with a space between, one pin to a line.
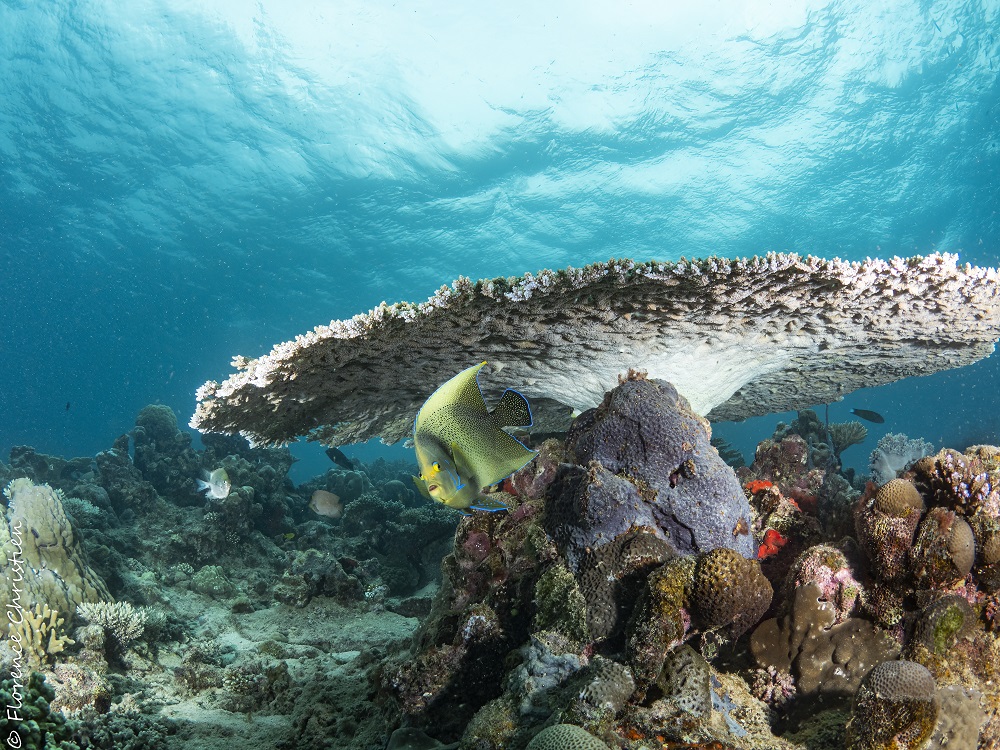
pixel 578 580
pixel 633 589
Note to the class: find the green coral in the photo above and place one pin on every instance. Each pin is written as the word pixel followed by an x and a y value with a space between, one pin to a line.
pixel 660 619
pixel 29 717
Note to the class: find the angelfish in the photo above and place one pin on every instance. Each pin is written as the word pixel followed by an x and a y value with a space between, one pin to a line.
pixel 461 445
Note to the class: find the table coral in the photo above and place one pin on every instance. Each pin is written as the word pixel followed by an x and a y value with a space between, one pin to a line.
pixel 737 337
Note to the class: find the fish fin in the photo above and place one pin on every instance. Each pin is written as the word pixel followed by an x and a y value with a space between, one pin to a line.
pixel 462 391
pixel 202 485
pixel 512 410
pixel 497 456
pixel 488 504
pixel 422 487
pixel 463 467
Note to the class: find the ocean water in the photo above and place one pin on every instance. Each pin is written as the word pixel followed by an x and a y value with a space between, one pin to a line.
pixel 182 182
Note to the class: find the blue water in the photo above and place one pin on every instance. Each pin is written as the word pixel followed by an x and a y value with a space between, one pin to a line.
pixel 182 182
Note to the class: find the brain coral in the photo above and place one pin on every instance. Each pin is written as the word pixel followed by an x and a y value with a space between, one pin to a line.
pixel 896 708
pixel 898 498
pixel 729 591
pixel 612 576
pixel 649 462
pixel 944 549
pixel 565 737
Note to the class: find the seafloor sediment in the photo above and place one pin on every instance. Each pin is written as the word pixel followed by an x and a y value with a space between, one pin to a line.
pixel 639 588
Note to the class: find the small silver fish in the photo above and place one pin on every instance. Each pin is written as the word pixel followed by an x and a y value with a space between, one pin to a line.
pixel 217 484
pixel 325 503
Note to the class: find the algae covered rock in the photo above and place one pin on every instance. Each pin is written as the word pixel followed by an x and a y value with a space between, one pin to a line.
pixel 644 458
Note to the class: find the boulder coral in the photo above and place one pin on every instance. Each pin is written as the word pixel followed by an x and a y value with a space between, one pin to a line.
pixel 886 526
pixel 39 545
pixel 824 657
pixel 896 708
pixel 565 737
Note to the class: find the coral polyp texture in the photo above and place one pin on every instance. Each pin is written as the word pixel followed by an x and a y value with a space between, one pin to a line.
pixel 736 337
pixel 896 708
pixel 41 552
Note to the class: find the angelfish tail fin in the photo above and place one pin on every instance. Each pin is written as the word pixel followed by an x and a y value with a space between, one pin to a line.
pixel 512 411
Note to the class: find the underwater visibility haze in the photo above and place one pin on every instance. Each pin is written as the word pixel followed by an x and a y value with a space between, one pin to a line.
pixel 184 182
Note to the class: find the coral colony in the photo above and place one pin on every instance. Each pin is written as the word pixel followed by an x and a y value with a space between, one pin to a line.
pixel 636 593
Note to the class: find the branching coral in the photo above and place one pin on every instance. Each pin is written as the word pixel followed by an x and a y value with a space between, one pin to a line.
pixel 36 635
pixel 846 434
pixel 120 620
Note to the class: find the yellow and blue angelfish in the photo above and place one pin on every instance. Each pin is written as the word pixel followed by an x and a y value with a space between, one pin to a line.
pixel 461 445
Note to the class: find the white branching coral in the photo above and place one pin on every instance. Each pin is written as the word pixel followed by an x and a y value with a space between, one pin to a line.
pixel 737 338
pixel 120 620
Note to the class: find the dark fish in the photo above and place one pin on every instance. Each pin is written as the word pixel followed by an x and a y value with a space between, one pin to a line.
pixel 67 406
pixel 339 458
pixel 869 415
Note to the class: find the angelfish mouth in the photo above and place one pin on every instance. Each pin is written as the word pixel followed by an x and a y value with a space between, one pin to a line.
pixel 431 487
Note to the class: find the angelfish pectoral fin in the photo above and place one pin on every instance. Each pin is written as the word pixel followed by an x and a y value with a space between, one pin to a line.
pixel 422 487
pixel 462 467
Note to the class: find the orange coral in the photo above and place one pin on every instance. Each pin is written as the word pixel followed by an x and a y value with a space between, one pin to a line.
pixel 756 485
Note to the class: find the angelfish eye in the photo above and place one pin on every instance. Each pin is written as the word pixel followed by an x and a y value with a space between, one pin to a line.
pixel 436 466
